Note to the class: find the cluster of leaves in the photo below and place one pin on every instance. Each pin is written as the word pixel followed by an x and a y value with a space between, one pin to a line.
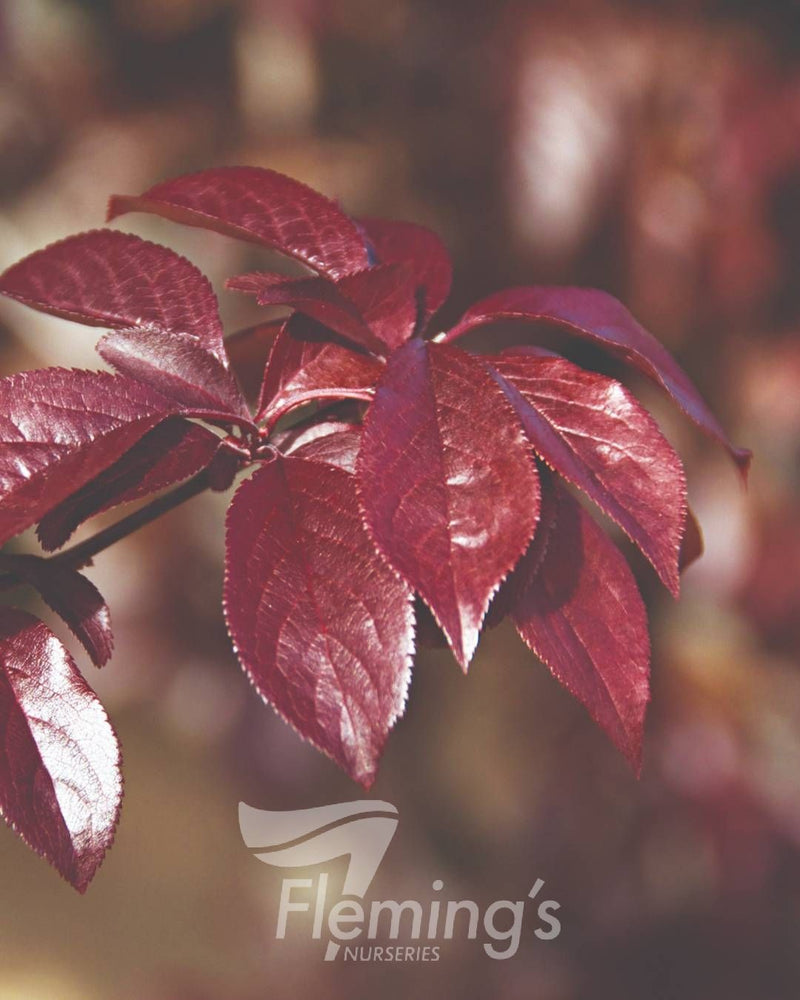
pixel 421 469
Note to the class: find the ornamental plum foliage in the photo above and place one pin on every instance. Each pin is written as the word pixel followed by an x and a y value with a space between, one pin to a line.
pixel 419 471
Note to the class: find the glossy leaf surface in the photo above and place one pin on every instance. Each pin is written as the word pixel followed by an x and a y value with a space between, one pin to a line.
pixel 576 604
pixel 166 455
pixel 397 479
pixel 59 429
pixel 60 784
pixel 260 206
pixel 590 429
pixel 450 504
pixel 163 309
pixel 74 598
pixel 334 442
pixel 300 370
pixel 420 249
pixel 321 625
pixel 599 317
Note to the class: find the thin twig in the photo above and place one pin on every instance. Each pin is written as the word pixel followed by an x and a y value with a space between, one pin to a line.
pixel 81 555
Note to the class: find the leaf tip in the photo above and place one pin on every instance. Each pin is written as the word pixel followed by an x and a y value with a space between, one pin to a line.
pixel 367 780
pixel 673 581
pixel 465 651
pixel 118 204
pixel 743 458
pixel 633 752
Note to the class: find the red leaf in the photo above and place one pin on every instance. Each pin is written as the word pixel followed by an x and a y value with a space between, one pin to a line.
pixel 248 350
pixel 60 784
pixel 590 429
pixel 448 486
pixel 300 370
pixel 164 308
pixel 176 366
pixel 421 249
pixel 166 455
pixel 318 298
pixel 116 280
pixel 259 206
pixel 386 297
pixel 376 308
pixel 596 316
pixel 333 441
pixel 321 625
pixel 575 603
pixel 59 429
pixel 74 598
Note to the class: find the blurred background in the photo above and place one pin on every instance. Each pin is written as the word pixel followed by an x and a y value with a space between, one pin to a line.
pixel 651 149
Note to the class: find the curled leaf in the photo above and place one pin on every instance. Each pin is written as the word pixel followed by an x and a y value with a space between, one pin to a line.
pixel 386 298
pixel 318 298
pixel 599 317
pixel 248 350
pixel 376 308
pixel 73 598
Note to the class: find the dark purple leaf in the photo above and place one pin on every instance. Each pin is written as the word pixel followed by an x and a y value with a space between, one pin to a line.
pixel 74 598
pixel 166 455
pixel 332 441
pixel 593 432
pixel 576 604
pixel 259 206
pixel 386 298
pixel 176 366
pixel 116 280
pixel 597 316
pixel 318 298
pixel 375 308
pixel 163 308
pixel 421 249
pixel 300 370
pixel 448 486
pixel 59 429
pixel 321 625
pixel 248 350
pixel 60 783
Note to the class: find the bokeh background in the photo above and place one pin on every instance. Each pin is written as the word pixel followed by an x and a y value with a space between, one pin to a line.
pixel 651 149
